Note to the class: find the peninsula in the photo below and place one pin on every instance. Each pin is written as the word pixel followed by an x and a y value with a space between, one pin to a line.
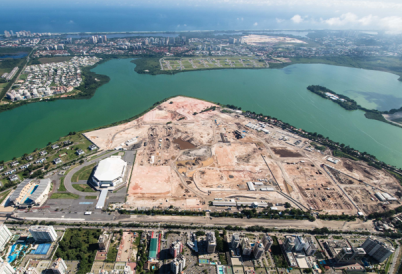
pixel 345 102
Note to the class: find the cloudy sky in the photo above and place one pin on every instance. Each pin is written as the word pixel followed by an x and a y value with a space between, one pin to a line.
pixel 244 14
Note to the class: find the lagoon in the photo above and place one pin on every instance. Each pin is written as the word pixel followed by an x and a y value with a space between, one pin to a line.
pixel 280 93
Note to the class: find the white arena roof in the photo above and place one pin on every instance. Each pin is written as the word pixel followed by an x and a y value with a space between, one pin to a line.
pixel 110 168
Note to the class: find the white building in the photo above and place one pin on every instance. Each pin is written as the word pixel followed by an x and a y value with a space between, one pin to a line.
pixel 235 241
pixel 6 268
pixel 310 247
pixel 31 192
pixel 109 172
pixel 5 236
pixel 299 243
pixel 246 246
pixel 211 242
pixel 43 233
pixel 178 264
pixel 258 250
pixel 267 241
pixel 59 266
pixel 376 249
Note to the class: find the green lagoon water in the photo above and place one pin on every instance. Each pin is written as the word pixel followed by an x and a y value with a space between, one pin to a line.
pixel 280 93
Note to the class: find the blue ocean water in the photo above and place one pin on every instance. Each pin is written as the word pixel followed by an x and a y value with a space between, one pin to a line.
pixel 119 19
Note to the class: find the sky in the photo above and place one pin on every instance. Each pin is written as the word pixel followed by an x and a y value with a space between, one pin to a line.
pixel 383 15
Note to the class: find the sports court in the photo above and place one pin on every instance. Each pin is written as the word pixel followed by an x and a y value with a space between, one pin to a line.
pixel 42 249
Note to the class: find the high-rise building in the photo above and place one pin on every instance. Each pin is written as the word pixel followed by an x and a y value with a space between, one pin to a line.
pixel 12 33
pixel 103 241
pixel 93 40
pixel 289 243
pixel 6 268
pixel 235 241
pixel 211 242
pixel 258 250
pixel 246 246
pixel 178 264
pixel 7 34
pixel 176 248
pixel 299 243
pixel 104 38
pixel 59 266
pixel 5 236
pixel 376 249
pixel 43 233
pixel 310 247
pixel 267 241
pixel 348 254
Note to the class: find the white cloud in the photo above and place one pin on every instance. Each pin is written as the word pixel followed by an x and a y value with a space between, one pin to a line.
pixel 297 19
pixel 278 20
pixel 389 23
pixel 342 20
pixel 392 24
pixel 255 24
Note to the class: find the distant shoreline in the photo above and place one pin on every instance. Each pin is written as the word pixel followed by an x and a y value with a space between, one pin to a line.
pixel 164 31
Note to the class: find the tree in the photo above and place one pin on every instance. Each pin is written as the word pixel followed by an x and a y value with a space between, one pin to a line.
pixel 288 205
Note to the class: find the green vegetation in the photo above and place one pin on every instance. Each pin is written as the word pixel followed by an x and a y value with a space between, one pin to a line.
pixel 149 65
pixel 64 196
pixel 397 176
pixel 62 186
pixel 219 242
pixel 6 65
pixel 83 188
pixel 4 195
pixel 83 174
pixel 375 115
pixel 385 214
pixel 350 104
pixel 317 146
pixel 338 153
pixel 222 259
pixel 79 244
pixel 112 252
pixel 162 212
pixel 200 233
pixel 347 104
pixel 91 81
pixel 91 197
pixel 276 252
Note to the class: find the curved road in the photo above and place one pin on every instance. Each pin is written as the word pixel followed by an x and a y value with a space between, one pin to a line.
pixel 67 180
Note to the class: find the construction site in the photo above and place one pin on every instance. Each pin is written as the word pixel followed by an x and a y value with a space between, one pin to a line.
pixel 192 153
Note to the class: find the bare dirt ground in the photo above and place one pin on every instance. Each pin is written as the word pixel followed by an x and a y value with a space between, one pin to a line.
pixel 209 162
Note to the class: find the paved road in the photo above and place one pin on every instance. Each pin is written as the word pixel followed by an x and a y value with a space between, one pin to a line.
pixel 67 180
pixel 394 260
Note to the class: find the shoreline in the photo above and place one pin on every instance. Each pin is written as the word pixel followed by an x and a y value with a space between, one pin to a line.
pixel 333 61
pixel 351 105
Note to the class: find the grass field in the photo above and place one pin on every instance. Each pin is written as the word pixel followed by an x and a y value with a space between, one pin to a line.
pixel 4 195
pixel 46 60
pixel 64 196
pixel 2 85
pixel 91 197
pixel 83 173
pixel 83 188
pixel 62 187
pixel 212 62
